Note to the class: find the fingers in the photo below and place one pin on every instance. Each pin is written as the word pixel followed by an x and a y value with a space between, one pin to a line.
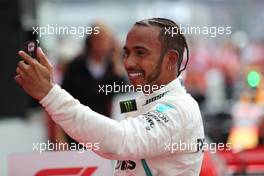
pixel 27 58
pixel 40 55
pixel 18 79
pixel 23 66
pixel 20 72
pixel 42 58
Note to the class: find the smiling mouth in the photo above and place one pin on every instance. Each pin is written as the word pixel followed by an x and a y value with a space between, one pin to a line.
pixel 135 75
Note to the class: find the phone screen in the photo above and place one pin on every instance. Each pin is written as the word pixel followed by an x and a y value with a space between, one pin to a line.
pixel 31 48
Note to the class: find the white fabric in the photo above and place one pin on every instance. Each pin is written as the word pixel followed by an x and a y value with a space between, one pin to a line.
pixel 144 134
pixel 97 70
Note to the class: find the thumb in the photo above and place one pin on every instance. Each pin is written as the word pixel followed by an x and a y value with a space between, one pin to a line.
pixel 43 59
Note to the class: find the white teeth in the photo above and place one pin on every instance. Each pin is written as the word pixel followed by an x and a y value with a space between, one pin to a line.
pixel 135 74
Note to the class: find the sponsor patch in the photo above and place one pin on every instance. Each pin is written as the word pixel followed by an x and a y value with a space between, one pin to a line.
pixel 163 107
pixel 152 116
pixel 128 106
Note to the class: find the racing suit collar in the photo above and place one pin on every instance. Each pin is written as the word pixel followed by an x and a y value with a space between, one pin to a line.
pixel 175 85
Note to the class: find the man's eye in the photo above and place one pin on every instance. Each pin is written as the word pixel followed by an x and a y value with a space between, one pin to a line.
pixel 140 53
pixel 124 55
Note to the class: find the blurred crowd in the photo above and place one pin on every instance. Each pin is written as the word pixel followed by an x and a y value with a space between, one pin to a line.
pixel 227 81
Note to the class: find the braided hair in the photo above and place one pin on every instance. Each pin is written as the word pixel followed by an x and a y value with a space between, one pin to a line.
pixel 170 37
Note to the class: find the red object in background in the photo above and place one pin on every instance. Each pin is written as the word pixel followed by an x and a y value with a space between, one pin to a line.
pixel 208 165
pixel 247 161
pixel 67 171
pixel 227 162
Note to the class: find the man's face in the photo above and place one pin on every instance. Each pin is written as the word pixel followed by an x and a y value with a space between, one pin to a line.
pixel 142 55
pixel 104 41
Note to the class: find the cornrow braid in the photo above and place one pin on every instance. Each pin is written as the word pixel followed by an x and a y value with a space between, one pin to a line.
pixel 180 62
pixel 169 41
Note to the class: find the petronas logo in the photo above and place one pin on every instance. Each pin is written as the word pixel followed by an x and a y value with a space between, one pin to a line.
pixel 127 106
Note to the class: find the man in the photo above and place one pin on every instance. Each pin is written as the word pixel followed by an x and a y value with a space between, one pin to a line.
pixel 163 133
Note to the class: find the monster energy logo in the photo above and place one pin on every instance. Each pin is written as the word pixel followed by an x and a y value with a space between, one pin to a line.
pixel 127 106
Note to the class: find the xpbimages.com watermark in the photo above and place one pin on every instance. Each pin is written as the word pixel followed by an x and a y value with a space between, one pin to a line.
pixel 211 31
pixel 63 146
pixel 200 145
pixel 125 88
pixel 55 29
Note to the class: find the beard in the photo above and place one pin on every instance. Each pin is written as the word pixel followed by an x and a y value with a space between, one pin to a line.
pixel 152 78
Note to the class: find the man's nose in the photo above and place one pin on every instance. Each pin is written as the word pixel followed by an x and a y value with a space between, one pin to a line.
pixel 130 62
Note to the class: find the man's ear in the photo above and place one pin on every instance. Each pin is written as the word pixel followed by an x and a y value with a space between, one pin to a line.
pixel 173 56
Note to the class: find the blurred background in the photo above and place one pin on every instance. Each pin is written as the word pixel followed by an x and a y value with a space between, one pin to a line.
pixel 224 74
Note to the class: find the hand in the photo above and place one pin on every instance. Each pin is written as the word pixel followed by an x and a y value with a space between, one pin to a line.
pixel 36 78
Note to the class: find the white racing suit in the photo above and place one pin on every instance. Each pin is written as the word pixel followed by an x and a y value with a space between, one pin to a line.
pixel 164 128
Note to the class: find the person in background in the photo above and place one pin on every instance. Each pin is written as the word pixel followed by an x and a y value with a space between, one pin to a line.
pixel 98 64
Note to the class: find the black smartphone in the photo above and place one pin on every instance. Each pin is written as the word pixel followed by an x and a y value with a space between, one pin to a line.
pixel 31 48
